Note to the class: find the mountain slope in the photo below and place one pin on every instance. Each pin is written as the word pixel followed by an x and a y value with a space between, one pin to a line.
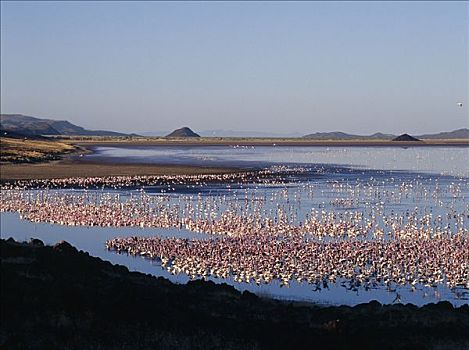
pixel 33 126
pixel 455 134
pixel 338 135
pixel 26 125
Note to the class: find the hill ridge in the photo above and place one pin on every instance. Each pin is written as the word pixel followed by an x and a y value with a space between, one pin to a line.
pixel 462 133
pixel 33 126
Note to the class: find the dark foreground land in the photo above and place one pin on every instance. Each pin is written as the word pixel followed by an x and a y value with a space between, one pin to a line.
pixel 59 298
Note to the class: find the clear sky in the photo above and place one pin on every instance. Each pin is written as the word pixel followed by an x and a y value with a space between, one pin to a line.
pixel 279 67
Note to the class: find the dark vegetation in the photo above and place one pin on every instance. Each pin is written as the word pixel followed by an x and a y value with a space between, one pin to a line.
pixel 59 298
pixel 19 135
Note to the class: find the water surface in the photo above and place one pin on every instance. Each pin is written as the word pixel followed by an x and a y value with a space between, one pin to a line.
pixel 379 180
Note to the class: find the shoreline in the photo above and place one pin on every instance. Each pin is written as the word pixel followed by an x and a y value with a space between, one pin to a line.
pixel 66 168
pixel 70 164
pixel 205 142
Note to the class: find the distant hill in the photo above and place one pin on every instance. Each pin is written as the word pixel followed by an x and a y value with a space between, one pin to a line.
pixel 236 133
pixel 183 132
pixel 456 134
pixel 405 137
pixel 228 133
pixel 154 133
pixel 338 135
pixel 32 126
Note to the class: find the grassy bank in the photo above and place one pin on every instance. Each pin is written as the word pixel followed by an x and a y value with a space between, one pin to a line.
pixel 21 150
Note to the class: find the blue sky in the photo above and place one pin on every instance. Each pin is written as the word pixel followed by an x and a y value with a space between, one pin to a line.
pixel 266 66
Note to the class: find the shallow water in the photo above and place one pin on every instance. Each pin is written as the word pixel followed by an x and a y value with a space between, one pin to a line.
pixel 380 181
pixel 435 160
pixel 92 239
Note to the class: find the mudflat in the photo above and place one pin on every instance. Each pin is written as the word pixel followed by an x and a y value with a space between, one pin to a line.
pixel 42 159
pixel 69 168
pixel 24 159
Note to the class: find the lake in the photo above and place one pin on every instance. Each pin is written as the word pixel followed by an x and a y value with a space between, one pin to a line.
pixel 372 187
